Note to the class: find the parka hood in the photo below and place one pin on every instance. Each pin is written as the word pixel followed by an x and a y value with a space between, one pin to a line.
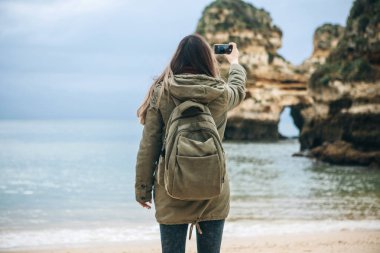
pixel 196 87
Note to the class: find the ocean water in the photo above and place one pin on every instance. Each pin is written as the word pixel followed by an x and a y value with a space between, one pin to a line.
pixel 72 182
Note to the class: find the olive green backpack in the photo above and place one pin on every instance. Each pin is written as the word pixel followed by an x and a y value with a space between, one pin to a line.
pixel 193 154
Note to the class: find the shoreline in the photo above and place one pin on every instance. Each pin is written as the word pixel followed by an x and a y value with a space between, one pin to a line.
pixel 363 241
pixel 126 233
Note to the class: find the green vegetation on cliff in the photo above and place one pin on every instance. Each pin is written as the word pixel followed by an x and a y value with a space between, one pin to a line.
pixel 235 15
pixel 357 55
pixel 326 34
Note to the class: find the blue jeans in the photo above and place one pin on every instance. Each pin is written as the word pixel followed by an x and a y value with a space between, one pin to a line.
pixel 173 237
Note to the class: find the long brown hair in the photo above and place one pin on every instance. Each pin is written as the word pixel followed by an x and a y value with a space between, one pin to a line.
pixel 194 53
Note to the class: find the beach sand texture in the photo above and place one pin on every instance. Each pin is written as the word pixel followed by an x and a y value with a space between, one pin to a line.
pixel 330 242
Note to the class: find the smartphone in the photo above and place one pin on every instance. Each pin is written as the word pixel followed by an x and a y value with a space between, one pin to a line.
pixel 222 48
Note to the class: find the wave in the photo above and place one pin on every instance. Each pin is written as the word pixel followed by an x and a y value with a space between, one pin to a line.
pixel 71 236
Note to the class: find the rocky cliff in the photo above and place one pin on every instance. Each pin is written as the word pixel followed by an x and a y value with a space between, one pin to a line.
pixel 334 95
pixel 273 83
pixel 325 39
pixel 343 124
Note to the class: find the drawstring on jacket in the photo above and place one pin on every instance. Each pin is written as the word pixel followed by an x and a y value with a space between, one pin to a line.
pixel 196 223
pixel 197 226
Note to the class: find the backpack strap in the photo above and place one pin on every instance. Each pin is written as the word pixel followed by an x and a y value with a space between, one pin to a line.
pixel 175 100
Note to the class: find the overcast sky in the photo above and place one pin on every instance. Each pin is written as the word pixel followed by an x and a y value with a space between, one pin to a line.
pixel 96 58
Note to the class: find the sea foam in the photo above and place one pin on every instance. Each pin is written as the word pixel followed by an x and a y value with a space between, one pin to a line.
pixel 60 237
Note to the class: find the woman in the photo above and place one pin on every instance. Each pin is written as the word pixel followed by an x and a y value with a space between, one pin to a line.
pixel 191 75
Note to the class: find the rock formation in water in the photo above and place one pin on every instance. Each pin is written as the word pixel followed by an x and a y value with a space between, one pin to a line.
pixel 343 124
pixel 334 95
pixel 273 83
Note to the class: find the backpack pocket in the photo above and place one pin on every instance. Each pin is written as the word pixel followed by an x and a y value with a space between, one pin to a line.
pixel 194 148
pixel 197 178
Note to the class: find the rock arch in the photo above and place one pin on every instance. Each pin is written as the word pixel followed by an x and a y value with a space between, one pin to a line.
pixel 272 82
pixel 258 117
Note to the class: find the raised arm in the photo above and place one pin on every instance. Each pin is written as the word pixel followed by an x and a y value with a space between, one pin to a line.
pixel 236 79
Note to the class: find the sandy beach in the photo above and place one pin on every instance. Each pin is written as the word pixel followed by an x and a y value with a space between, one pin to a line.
pixel 329 242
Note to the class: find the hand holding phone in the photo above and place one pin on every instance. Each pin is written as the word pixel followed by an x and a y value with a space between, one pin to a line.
pixel 223 48
pixel 229 50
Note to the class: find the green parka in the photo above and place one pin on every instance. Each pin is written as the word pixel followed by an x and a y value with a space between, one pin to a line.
pixel 220 97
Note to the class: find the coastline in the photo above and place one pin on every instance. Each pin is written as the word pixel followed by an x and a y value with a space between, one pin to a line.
pixel 363 241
